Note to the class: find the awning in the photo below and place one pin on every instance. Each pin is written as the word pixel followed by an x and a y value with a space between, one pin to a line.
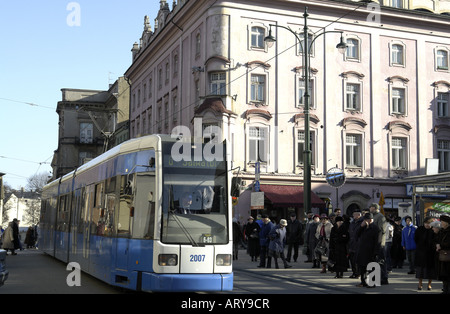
pixel 288 195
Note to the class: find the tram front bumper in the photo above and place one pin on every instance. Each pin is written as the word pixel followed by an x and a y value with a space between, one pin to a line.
pixel 186 282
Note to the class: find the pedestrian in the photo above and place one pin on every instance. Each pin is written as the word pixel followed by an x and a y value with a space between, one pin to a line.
pixel 380 221
pixel 443 246
pixel 294 237
pixel 264 239
pixel 311 240
pixel 252 230
pixel 408 243
pixel 369 244
pixel 276 246
pixel 8 239
pixel 237 237
pixel 425 253
pixel 388 246
pixel 339 238
pixel 353 241
pixel 323 232
pixel 30 239
pixel 397 253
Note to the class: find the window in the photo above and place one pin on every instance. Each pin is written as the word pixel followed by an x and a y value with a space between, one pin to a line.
pixel 167 72
pixel 301 93
pixel 442 104
pixel 398 153
pixel 197 45
pixel 86 133
pixel 84 157
pixel 352 49
pixel 398 101
pixel 258 144
pixel 442 60
pixel 218 83
pixel 353 150
pixel 258 88
pixel 397 54
pixel 174 108
pixel 257 37
pixel 160 78
pixel 175 64
pixel 301 147
pixel 352 97
pixel 310 47
pixel 397 4
pixel 443 150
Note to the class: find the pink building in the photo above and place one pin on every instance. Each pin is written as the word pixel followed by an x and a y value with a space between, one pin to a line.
pixel 377 112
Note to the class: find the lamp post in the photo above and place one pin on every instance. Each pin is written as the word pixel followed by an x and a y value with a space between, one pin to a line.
pixel 342 46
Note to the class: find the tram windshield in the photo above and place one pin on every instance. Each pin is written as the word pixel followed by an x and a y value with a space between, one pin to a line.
pixel 194 202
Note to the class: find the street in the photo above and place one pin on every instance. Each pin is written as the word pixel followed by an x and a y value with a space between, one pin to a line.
pixel 31 271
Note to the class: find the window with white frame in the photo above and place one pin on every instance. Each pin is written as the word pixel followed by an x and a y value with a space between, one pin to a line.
pixel 443 150
pixel 353 97
pixel 301 93
pixel 442 59
pixel 210 132
pixel 398 101
pixel 399 159
pixel 258 88
pixel 257 37
pixel 86 133
pixel 301 147
pixel 218 83
pixel 258 141
pixel 442 104
pixel 353 150
pixel 352 51
pixel 397 54
pixel 197 45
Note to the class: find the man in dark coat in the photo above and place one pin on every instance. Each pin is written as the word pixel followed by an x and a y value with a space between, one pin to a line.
pixel 369 244
pixel 264 239
pixel 294 234
pixel 15 228
pixel 444 244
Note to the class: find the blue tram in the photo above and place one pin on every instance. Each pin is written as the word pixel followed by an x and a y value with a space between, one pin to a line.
pixel 138 218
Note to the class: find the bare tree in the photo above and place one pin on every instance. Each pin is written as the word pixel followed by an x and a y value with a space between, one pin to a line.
pixel 36 182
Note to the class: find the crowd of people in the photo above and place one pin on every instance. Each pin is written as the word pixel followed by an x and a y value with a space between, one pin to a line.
pixel 338 243
pixel 10 239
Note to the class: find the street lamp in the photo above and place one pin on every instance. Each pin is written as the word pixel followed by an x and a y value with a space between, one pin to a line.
pixel 342 46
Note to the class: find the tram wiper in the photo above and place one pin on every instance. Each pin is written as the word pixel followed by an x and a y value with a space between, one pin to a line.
pixel 183 228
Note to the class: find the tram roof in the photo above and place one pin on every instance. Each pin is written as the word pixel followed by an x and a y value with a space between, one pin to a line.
pixel 131 145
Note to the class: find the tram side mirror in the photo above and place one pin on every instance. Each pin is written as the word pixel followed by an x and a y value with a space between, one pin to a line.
pixel 235 186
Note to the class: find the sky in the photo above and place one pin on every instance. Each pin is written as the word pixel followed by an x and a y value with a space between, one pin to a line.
pixel 47 45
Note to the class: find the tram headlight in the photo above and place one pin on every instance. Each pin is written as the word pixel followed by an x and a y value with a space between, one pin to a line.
pixel 223 260
pixel 167 260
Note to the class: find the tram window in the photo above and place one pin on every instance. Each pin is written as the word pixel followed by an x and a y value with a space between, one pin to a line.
pixel 98 211
pixel 144 212
pixel 125 206
pixel 80 211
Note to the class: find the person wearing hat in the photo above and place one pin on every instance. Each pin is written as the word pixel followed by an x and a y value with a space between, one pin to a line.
pixel 381 222
pixel 251 232
pixel 425 253
pixel 443 243
pixel 276 246
pixel 339 238
pixel 323 236
pixel 352 243
pixel 369 243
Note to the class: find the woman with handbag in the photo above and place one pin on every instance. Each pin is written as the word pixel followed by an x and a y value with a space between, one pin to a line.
pixel 443 247
pixel 323 233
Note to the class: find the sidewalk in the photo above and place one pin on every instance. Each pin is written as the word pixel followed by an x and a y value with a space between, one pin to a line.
pixel 399 281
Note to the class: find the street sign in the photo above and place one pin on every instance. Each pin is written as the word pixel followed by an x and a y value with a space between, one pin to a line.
pixel 335 177
pixel 257 186
pixel 257 200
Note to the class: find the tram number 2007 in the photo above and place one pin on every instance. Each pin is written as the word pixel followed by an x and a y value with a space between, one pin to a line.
pixel 197 258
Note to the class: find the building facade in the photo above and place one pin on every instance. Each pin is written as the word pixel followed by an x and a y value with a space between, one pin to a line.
pixel 377 112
